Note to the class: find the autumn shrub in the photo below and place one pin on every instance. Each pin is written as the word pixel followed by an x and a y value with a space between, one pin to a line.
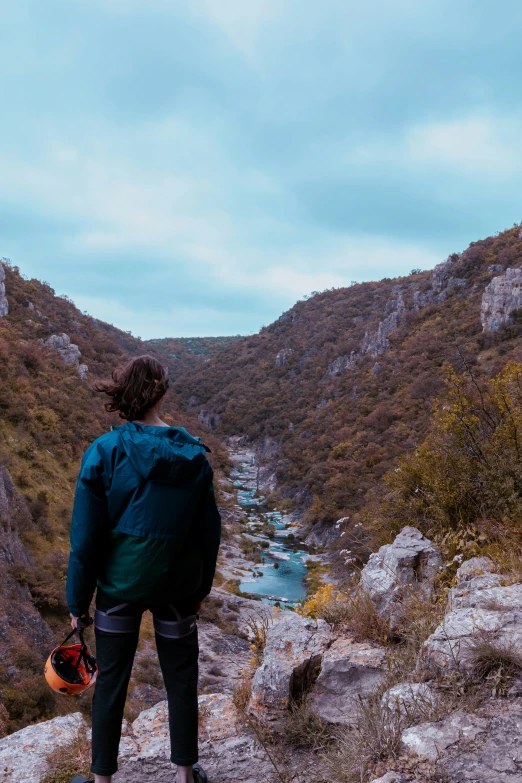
pixel 463 486
pixel 353 611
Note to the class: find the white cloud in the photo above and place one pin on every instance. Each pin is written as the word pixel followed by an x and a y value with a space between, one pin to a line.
pixel 472 142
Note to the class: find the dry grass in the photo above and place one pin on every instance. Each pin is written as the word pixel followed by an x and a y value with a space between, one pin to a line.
pixel 69 760
pixel 303 728
pixel 493 664
pixel 374 737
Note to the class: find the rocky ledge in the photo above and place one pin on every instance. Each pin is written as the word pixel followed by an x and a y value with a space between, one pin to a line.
pixel 309 662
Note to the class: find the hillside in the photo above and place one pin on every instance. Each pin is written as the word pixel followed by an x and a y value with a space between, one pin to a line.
pixel 343 383
pixel 187 353
pixel 50 354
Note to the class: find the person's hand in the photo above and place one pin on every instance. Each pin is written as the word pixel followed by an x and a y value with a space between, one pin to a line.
pixel 85 620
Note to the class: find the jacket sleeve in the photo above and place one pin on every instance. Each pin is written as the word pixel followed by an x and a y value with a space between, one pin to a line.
pixel 88 532
pixel 209 525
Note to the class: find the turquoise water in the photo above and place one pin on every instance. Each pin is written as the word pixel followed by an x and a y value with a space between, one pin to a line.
pixel 285 582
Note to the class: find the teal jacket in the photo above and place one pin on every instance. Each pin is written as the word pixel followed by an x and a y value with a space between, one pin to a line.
pixel 145 525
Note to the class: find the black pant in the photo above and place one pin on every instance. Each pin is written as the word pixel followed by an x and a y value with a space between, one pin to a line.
pixel 179 665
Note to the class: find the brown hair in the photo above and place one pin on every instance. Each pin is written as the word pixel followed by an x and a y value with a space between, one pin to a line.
pixel 136 387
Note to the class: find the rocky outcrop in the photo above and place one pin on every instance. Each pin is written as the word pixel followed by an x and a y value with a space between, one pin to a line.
pixel 342 364
pixel 4 306
pixel 68 352
pixel 501 297
pixel 410 699
pixel 282 356
pixel 291 664
pixel 429 740
pixel 209 419
pixel 23 755
pixel 377 343
pixel 349 670
pixel 479 608
pixel 397 570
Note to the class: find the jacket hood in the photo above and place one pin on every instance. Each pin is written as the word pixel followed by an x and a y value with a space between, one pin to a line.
pixel 164 454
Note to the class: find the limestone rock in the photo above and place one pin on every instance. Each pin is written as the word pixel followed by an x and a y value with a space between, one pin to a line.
pixel 390 777
pixel 282 356
pixel 4 306
pixel 68 352
pixel 23 754
pixel 410 699
pixel 496 756
pixel 476 608
pixel 396 570
pixel 474 567
pixel 83 371
pixel 501 297
pixel 349 670
pixel 429 740
pixel 209 419
pixel 228 749
pixel 291 663
pixel 342 364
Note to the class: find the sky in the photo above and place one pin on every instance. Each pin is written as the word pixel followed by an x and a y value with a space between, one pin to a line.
pixel 194 167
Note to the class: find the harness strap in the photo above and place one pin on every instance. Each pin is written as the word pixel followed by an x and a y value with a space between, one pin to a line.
pixel 176 629
pixel 111 623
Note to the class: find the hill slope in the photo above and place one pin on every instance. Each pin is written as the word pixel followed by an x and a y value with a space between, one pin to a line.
pixel 343 383
pixel 50 353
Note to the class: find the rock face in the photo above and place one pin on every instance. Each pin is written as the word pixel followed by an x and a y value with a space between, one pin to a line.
pixel 377 343
pixel 409 564
pixel 429 740
pixel 349 670
pixel 68 352
pixel 4 306
pixel 291 663
pixel 479 606
pixel 282 356
pixel 209 419
pixel 23 754
pixel 501 297
pixel 495 756
pixel 228 749
pixel 410 699
pixel 342 364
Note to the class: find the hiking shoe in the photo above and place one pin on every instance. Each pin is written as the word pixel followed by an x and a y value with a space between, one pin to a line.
pixel 200 776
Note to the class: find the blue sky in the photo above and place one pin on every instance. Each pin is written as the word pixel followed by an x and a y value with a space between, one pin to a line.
pixel 194 167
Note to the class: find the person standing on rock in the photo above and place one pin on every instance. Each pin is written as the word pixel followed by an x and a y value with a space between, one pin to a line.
pixel 145 532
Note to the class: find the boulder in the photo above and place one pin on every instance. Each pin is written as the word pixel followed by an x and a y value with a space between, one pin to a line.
pixel 23 755
pixel 410 699
pixel 282 356
pixel 4 306
pixel 496 756
pixel 397 570
pixel 501 297
pixel 429 740
pixel 228 748
pixel 68 351
pixel 479 606
pixel 291 664
pixel 349 670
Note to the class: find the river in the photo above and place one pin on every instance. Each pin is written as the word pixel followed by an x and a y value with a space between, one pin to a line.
pixel 279 577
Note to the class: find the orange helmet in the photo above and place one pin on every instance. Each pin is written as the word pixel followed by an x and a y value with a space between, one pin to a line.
pixel 71 669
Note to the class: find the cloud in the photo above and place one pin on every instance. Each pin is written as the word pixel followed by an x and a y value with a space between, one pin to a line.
pixel 199 166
